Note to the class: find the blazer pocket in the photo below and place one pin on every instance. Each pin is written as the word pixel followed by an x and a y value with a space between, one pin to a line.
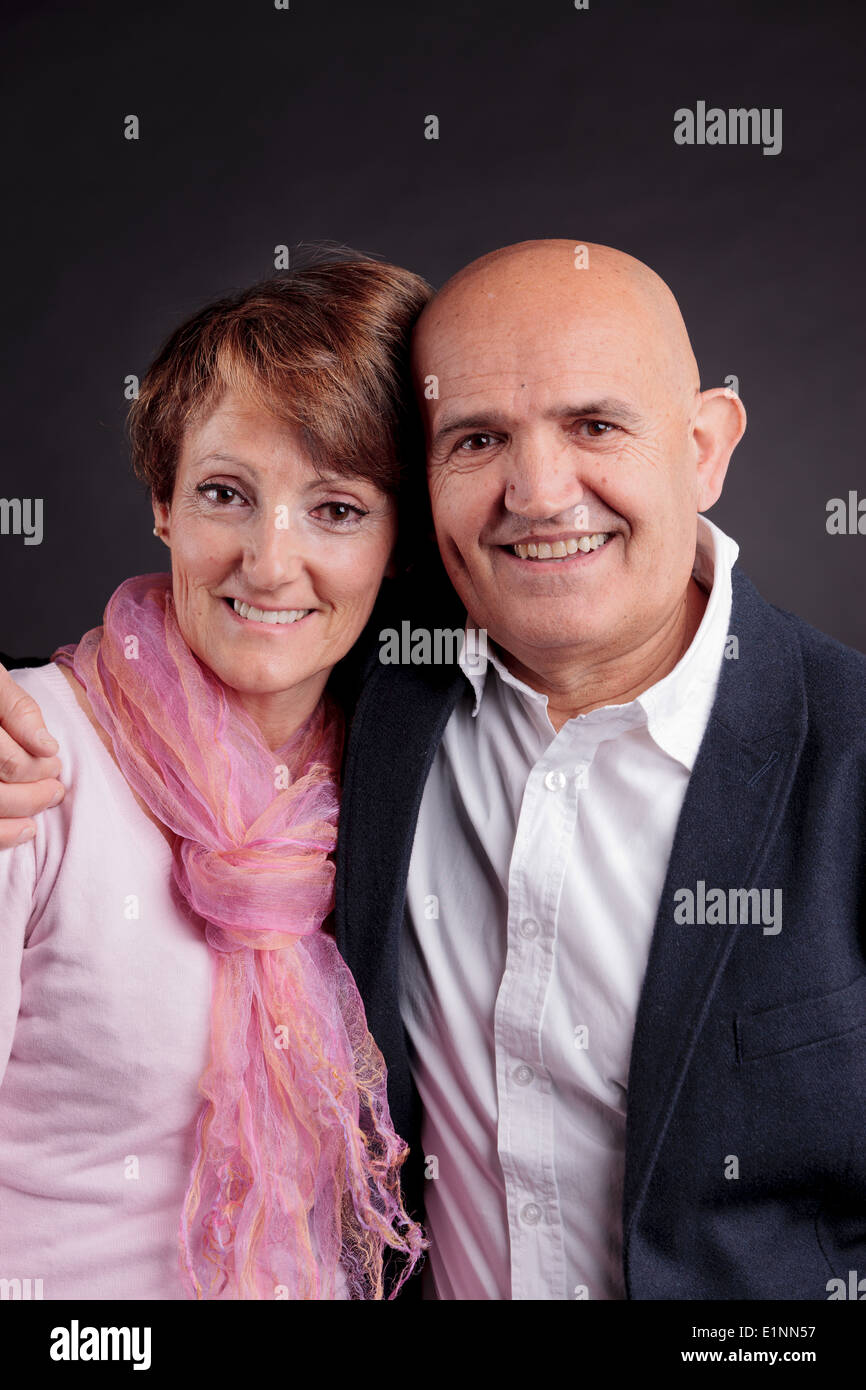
pixel 806 1021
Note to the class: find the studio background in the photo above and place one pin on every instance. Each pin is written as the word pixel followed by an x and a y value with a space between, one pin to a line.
pixel 262 127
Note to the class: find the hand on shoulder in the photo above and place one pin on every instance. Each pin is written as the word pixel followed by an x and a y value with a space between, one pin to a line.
pixel 29 766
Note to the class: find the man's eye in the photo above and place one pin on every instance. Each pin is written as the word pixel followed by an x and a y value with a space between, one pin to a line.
pixel 473 439
pixel 340 513
pixel 597 428
pixel 220 493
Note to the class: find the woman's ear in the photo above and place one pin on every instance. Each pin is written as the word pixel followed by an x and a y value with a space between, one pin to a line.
pixel 161 518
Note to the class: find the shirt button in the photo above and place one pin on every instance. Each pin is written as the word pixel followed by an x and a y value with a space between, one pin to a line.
pixel 523 1074
pixel 531 1214
pixel 528 928
pixel 554 780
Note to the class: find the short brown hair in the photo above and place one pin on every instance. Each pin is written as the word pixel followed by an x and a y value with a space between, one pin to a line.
pixel 324 347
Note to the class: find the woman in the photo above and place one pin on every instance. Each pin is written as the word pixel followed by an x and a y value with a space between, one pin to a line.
pixel 190 1101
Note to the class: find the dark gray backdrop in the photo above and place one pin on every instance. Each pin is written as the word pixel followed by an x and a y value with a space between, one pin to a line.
pixel 262 126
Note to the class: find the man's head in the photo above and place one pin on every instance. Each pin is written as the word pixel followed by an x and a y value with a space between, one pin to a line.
pixel 562 403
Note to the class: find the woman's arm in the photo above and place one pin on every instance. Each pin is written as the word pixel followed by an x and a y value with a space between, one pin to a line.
pixel 28 772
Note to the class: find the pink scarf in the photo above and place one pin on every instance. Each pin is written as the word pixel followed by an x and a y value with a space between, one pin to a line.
pixel 296 1175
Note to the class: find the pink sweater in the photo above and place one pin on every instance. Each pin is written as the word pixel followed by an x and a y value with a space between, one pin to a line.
pixel 104 1032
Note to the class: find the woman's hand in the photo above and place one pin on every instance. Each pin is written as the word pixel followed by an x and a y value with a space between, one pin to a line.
pixel 28 771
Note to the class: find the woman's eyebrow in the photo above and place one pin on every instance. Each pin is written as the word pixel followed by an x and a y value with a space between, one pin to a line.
pixel 329 478
pixel 232 459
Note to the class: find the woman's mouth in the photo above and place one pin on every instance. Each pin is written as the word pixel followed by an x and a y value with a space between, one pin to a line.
pixel 280 617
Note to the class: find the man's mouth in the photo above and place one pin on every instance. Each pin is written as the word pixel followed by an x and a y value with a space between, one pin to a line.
pixel 282 616
pixel 560 550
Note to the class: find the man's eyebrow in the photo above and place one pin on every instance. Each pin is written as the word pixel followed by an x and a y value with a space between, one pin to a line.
pixel 607 408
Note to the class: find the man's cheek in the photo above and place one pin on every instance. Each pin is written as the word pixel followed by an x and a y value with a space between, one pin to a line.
pixel 438 478
pixel 643 457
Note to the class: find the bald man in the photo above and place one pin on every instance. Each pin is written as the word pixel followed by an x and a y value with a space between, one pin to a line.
pixel 603 893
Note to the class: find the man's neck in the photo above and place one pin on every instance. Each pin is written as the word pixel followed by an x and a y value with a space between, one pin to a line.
pixel 574 688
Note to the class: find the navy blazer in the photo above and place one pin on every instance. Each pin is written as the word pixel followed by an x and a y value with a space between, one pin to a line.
pixel 745 1172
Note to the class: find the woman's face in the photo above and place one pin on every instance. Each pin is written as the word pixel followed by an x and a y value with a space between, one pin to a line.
pixel 251 522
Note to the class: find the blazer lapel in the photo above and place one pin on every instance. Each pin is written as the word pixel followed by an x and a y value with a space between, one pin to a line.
pixel 739 783
pixel 398 724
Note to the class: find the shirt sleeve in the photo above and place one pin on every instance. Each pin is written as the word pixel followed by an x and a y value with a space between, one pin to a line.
pixel 17 885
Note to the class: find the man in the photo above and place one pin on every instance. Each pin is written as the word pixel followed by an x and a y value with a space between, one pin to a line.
pixel 604 896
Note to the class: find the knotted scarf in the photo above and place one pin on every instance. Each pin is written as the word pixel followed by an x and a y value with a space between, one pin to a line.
pixel 294 1191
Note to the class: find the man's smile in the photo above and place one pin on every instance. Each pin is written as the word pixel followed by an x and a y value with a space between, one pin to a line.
pixel 578 549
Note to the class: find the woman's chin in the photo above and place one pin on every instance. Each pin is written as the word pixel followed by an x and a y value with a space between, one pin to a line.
pixel 256 658
pixel 261 684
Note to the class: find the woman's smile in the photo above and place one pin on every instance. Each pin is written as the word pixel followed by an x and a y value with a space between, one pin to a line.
pixel 267 619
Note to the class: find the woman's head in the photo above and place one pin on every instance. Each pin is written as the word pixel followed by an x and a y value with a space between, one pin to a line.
pixel 273 429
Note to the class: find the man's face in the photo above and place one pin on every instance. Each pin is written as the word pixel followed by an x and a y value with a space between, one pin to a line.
pixel 552 429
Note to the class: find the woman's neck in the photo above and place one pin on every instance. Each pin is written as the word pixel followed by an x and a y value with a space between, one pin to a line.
pixel 280 714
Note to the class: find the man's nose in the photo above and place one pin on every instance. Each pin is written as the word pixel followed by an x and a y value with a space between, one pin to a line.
pixel 273 555
pixel 541 482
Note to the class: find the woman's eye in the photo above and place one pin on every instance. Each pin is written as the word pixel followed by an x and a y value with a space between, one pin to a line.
pixel 473 439
pixel 219 493
pixel 340 513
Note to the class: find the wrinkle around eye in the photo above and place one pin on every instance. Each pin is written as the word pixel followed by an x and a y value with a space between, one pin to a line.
pixel 460 462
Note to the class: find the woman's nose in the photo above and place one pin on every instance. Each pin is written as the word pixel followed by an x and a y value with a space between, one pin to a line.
pixel 273 555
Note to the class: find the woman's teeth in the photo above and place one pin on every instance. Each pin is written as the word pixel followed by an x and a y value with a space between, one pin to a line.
pixel 273 615
pixel 557 550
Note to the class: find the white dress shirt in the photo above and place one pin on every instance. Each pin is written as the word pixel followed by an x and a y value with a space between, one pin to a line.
pixel 536 873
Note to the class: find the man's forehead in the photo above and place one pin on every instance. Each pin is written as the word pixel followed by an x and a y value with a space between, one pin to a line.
pixel 549 378
pixel 520 331
pixel 505 343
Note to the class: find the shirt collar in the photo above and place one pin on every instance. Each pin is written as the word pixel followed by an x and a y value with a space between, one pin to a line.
pixel 677 707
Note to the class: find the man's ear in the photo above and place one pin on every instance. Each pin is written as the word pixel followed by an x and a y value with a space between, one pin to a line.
pixel 720 424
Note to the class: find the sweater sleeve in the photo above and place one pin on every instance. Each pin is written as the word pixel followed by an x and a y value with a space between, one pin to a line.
pixel 17 884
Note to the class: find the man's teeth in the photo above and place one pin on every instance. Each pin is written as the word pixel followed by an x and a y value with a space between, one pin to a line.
pixel 274 615
pixel 557 550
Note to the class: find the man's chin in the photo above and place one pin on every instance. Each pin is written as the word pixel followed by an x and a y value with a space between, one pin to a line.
pixel 547 638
